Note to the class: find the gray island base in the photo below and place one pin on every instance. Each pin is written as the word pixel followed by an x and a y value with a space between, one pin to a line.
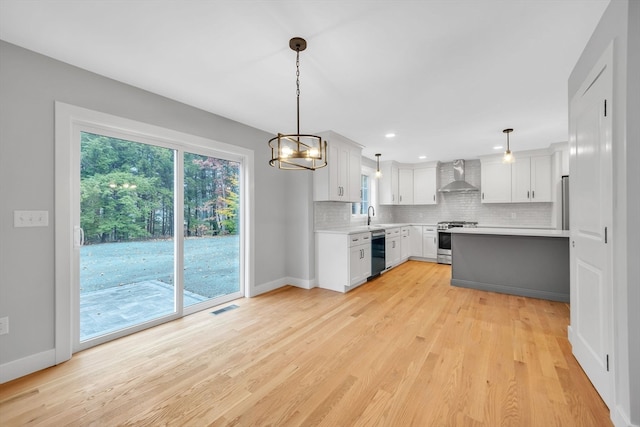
pixel 527 265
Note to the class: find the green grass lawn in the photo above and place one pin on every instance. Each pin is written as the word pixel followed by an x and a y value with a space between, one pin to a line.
pixel 211 266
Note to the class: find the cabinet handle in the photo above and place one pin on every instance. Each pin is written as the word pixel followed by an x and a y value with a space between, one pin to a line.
pixel 400 198
pixel 482 196
pixel 527 194
pixel 533 194
pixel 434 197
pixel 434 240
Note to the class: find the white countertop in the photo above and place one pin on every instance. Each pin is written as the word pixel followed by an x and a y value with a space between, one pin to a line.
pixel 363 228
pixel 540 232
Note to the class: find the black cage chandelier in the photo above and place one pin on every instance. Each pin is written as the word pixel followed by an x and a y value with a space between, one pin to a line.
pixel 298 151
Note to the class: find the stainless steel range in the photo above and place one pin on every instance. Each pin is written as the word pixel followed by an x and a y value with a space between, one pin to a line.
pixel 444 238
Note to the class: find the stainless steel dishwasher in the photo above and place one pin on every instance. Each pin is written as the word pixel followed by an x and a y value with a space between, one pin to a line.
pixel 378 261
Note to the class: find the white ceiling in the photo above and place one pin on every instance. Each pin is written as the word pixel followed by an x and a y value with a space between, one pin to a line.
pixel 445 76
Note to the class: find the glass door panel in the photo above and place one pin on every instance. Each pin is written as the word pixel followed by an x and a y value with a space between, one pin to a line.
pixel 211 229
pixel 127 217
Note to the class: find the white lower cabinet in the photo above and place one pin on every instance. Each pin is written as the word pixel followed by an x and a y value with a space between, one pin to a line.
pixel 416 241
pixel 360 262
pixel 343 261
pixel 405 244
pixel 393 244
pixel 430 242
pixel 424 241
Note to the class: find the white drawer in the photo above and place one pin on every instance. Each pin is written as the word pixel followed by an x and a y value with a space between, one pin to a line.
pixel 359 239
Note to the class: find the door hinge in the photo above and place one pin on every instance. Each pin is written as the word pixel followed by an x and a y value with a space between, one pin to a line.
pixel 605 108
pixel 606 235
pixel 607 363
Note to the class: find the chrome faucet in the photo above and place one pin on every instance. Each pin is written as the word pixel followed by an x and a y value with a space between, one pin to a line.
pixel 369 214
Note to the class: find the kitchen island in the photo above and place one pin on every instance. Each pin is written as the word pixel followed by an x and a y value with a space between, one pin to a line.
pixel 518 261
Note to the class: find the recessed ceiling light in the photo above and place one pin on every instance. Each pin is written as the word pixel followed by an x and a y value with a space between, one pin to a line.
pixel 498 147
pixel 390 135
pixel 422 157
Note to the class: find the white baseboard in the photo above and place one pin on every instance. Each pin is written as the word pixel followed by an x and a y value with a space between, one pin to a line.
pixel 284 281
pixel 570 334
pixel 620 419
pixel 27 365
pixel 301 283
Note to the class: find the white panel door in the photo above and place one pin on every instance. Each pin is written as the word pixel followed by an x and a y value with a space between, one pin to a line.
pixel 591 330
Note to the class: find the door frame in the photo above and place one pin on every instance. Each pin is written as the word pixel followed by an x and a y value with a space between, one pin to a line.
pixel 69 119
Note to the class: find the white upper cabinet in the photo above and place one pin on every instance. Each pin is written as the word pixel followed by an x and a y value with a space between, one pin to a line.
pixel 521 180
pixel 405 186
pixel 339 181
pixel 425 189
pixel 541 174
pixel 408 185
pixel 388 184
pixel 531 179
pixel 495 181
pixel 355 172
pixel 527 179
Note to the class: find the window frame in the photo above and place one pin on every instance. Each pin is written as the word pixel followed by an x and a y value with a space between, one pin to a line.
pixel 372 190
pixel 69 121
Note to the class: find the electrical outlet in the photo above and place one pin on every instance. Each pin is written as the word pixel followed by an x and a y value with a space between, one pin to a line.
pixel 30 218
pixel 4 325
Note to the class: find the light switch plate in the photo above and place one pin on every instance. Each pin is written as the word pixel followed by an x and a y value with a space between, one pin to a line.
pixel 30 218
pixel 4 325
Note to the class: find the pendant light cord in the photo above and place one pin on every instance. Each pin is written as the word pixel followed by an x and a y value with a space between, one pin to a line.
pixel 298 89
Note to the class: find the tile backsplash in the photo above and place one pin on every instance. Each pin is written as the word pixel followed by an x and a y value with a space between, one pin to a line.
pixel 450 207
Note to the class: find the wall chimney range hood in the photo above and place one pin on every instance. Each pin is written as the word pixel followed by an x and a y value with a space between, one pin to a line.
pixel 459 185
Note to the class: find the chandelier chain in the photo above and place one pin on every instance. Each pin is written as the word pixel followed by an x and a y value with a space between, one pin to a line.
pixel 298 90
pixel 298 72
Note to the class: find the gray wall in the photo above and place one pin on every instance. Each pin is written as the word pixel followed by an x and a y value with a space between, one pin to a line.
pixel 29 85
pixel 621 23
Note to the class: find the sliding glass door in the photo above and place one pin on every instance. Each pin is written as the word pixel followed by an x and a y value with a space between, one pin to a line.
pixel 211 205
pixel 140 262
pixel 128 253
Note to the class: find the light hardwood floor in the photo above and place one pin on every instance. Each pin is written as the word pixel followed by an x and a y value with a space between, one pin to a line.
pixel 406 349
